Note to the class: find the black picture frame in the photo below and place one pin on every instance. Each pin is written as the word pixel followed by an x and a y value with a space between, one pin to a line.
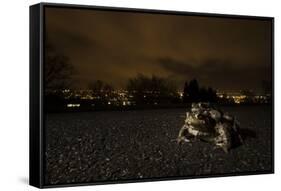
pixel 37 117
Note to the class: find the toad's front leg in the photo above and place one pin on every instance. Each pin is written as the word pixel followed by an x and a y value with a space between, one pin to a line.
pixel 181 136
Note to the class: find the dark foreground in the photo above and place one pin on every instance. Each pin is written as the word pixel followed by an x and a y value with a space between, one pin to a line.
pixel 101 146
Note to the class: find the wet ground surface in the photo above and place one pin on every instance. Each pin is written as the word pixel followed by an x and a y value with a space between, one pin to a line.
pixel 116 145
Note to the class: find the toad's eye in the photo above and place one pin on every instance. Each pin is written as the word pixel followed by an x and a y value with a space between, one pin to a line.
pixel 200 116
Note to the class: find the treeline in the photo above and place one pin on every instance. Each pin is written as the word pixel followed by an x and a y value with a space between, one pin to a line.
pixel 140 91
pixel 152 90
pixel 192 92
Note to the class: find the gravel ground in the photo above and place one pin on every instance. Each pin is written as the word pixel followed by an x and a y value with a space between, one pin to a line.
pixel 121 145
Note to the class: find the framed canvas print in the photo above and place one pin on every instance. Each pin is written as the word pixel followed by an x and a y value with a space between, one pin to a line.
pixel 127 95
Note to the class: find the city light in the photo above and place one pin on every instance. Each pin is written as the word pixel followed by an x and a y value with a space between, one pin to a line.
pixel 73 105
pixel 124 98
pixel 239 99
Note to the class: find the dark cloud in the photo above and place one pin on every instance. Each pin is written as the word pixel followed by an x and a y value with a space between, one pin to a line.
pixel 218 73
pixel 114 46
pixel 176 67
pixel 76 41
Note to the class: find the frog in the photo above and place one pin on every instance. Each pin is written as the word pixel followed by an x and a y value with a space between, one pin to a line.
pixel 209 124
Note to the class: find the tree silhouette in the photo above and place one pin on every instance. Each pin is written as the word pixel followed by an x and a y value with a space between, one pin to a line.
pixel 193 93
pixel 151 90
pixel 101 90
pixel 267 90
pixel 57 70
pixel 58 74
pixel 267 87
pixel 249 96
pixel 212 95
pixel 185 93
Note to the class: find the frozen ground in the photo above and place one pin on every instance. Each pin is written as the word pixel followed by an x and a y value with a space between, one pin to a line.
pixel 118 145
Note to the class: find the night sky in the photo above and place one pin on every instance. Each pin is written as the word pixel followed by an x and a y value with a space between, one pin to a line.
pixel 227 54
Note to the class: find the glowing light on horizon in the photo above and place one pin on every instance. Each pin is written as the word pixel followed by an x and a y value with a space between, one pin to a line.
pixel 73 105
